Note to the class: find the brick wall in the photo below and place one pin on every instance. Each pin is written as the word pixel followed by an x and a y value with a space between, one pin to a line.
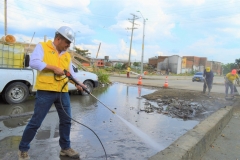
pixel 154 61
pixel 216 67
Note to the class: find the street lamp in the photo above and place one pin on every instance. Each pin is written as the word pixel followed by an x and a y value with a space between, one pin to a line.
pixel 144 21
pixel 75 38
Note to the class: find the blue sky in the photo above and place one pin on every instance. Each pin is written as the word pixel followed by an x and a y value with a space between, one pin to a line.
pixel 204 28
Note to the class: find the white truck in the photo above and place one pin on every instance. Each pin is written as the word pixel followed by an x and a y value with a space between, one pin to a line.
pixel 17 78
pixel 16 84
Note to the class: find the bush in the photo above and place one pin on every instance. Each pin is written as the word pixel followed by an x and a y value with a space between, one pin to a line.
pixel 102 76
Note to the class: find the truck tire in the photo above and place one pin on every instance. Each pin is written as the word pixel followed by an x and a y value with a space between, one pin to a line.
pixel 89 86
pixel 16 92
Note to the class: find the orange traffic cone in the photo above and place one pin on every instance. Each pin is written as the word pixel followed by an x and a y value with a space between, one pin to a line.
pixel 139 80
pixel 166 83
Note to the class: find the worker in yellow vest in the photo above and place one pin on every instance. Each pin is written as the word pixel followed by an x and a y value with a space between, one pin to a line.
pixel 229 82
pixel 128 71
pixel 51 59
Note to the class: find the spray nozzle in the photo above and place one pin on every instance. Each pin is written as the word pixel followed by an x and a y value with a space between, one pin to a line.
pixel 70 77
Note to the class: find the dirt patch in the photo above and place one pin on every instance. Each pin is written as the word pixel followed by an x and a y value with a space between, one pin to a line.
pixel 186 104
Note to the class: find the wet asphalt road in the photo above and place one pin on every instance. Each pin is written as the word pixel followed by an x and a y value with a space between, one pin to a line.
pixel 132 139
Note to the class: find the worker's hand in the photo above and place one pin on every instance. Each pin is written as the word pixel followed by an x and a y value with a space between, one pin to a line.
pixel 79 87
pixel 58 71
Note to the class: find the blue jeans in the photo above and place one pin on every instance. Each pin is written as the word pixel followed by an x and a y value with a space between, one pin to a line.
pixel 207 84
pixel 229 85
pixel 44 101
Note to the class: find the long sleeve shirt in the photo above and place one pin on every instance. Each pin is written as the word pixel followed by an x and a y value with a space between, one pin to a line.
pixel 208 76
pixel 36 60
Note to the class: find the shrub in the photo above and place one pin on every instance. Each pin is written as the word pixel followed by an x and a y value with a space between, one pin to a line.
pixel 103 77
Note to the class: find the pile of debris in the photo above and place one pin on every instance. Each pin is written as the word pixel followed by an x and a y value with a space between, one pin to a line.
pixel 175 108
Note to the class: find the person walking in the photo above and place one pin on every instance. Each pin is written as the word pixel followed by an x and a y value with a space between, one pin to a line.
pixel 208 79
pixel 229 82
pixel 50 59
pixel 128 71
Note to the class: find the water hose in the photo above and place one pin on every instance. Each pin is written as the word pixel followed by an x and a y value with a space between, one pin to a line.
pixel 70 77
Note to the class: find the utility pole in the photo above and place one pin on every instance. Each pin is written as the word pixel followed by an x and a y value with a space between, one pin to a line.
pixel 132 21
pixel 144 21
pixel 5 17
pixel 98 50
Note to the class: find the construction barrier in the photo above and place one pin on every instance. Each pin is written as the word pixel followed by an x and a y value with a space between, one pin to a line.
pixel 166 83
pixel 139 80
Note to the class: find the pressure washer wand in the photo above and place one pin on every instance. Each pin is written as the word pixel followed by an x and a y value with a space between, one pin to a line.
pixel 70 77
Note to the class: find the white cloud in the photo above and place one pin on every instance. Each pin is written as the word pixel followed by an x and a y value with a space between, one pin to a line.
pixel 198 28
pixel 191 2
pixel 47 14
pixel 233 32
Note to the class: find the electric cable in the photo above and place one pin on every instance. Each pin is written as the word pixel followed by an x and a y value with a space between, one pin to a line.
pixel 76 120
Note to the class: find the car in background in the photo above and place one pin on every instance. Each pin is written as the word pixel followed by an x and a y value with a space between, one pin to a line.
pixel 198 76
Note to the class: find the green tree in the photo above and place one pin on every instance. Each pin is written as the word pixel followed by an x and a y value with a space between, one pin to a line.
pixel 124 66
pixel 83 53
pixel 237 61
pixel 136 64
pixel 228 67
pixel 118 65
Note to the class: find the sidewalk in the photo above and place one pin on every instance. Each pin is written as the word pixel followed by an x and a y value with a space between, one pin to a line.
pixel 227 144
pixel 215 138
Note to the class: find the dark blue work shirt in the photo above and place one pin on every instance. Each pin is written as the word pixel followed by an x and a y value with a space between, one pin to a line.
pixel 208 75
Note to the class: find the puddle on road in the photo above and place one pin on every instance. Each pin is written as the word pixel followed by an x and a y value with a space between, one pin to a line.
pixel 118 139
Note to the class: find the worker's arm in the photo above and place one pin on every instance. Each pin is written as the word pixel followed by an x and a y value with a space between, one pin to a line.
pixel 36 61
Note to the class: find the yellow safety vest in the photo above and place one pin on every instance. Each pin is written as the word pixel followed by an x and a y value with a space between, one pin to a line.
pixel 231 77
pixel 45 79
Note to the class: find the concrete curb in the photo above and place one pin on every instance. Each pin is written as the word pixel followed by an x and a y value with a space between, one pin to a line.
pixel 197 141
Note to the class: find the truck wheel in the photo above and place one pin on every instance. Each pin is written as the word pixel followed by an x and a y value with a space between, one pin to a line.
pixel 89 86
pixel 16 92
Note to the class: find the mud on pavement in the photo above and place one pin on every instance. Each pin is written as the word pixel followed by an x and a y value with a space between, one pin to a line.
pixel 185 104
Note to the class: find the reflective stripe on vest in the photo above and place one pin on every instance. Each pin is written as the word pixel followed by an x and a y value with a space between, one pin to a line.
pixel 45 78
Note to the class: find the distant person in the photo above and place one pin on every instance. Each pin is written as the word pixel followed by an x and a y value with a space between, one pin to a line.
pixel 128 71
pixel 208 79
pixel 50 59
pixel 229 82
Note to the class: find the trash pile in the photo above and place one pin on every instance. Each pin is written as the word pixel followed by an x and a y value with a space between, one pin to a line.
pixel 175 108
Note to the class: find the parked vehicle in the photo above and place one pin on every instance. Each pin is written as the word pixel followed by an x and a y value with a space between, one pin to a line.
pixel 198 76
pixel 16 84
pixel 18 79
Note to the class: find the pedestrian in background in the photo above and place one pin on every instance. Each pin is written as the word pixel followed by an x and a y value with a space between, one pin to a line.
pixel 208 79
pixel 128 71
pixel 229 82
pixel 51 59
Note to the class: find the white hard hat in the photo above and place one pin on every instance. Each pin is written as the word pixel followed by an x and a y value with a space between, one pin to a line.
pixel 66 32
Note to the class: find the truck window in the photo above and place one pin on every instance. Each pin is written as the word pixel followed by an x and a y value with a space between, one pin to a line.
pixel 74 68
